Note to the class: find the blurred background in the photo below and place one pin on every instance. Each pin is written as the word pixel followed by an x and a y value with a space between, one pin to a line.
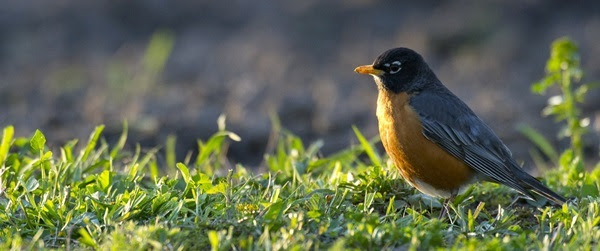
pixel 172 67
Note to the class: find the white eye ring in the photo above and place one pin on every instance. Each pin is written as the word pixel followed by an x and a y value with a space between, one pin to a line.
pixel 394 67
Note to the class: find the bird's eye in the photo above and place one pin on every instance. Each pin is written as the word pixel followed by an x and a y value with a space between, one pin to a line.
pixel 395 67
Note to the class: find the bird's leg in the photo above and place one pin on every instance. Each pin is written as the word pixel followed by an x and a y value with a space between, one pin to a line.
pixel 445 208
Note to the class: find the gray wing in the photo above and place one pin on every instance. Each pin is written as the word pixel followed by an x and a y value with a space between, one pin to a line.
pixel 450 123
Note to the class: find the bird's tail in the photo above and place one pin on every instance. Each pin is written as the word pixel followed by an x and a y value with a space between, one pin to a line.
pixel 536 186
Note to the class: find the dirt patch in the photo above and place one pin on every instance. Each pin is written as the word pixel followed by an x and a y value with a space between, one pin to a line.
pixel 60 65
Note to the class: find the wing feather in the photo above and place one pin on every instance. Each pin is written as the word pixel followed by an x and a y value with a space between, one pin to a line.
pixel 451 124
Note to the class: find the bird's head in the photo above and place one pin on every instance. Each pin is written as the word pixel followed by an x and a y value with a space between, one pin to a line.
pixel 397 70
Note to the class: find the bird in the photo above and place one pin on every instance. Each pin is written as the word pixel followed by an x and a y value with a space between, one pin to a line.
pixel 439 145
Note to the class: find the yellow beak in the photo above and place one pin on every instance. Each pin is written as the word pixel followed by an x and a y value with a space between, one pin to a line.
pixel 368 69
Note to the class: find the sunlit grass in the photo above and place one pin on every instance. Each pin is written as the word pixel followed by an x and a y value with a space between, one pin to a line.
pixel 104 197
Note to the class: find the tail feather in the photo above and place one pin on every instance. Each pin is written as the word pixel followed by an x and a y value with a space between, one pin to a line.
pixel 537 187
pixel 528 182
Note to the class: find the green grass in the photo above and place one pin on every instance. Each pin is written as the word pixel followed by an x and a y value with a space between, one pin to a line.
pixel 103 197
pixel 92 195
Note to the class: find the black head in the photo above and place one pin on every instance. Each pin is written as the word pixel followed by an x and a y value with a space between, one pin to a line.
pixel 399 70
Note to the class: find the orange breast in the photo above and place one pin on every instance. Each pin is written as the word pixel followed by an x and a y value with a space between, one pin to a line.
pixel 421 162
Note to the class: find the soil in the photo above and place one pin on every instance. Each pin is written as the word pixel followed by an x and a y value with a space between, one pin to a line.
pixel 67 66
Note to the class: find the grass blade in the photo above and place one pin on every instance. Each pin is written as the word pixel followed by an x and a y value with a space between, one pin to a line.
pixel 368 147
pixel 121 143
pixel 170 151
pixel 540 141
pixel 92 141
pixel 7 136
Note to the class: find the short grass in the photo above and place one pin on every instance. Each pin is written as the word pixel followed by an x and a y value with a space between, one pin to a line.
pixel 92 195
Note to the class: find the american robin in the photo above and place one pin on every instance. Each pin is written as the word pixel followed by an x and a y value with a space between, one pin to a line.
pixel 436 141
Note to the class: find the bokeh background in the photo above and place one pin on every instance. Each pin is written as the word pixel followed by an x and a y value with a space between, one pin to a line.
pixel 172 67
